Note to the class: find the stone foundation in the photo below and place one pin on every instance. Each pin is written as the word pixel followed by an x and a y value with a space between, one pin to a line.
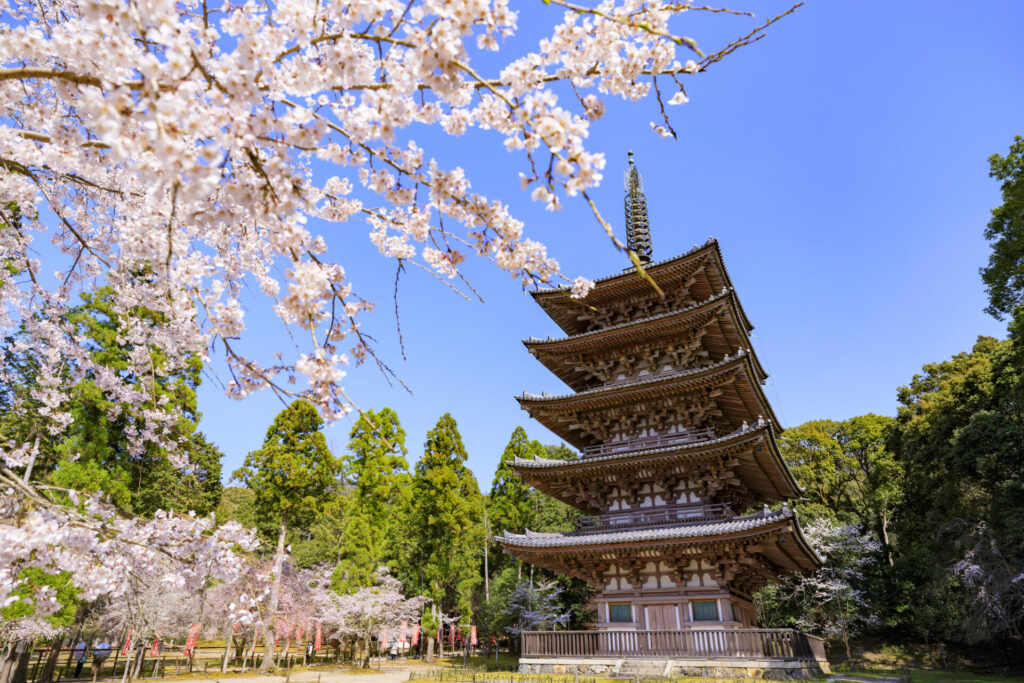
pixel 759 669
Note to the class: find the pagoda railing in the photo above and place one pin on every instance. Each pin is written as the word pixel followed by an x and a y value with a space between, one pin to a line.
pixel 744 643
pixel 648 442
pixel 652 516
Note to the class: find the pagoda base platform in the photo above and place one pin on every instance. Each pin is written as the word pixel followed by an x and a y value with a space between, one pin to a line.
pixel 702 667
pixel 767 654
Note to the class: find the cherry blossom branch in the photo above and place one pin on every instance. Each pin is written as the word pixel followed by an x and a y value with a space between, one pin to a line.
pixel 689 43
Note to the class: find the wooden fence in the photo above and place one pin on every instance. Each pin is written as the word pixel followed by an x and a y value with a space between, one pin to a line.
pixel 170 661
pixel 746 643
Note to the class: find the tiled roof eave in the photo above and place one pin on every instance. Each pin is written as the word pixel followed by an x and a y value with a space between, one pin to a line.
pixel 529 401
pixel 583 462
pixel 707 303
pixel 765 429
pixel 693 373
pixel 540 295
pixel 692 531
pixel 696 249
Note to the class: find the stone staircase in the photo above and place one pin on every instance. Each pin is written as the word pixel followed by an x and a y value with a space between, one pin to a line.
pixel 642 669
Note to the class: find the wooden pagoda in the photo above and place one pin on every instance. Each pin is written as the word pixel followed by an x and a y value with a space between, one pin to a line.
pixel 679 466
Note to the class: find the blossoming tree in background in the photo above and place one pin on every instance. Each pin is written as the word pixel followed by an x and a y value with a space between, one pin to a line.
pixel 832 599
pixel 167 150
pixel 365 613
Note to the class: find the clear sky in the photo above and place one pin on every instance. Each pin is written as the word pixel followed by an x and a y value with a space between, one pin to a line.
pixel 842 164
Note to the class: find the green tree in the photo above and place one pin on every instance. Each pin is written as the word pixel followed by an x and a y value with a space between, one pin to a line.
pixel 508 506
pixel 850 474
pixel 1004 274
pixel 320 543
pixel 960 438
pixel 237 504
pixel 292 476
pixel 95 452
pixel 447 521
pixel 376 471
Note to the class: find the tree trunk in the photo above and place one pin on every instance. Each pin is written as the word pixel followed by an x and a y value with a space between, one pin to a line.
pixel 430 649
pixel 367 652
pixel 5 665
pixel 487 573
pixel 140 657
pixel 251 654
pixel 128 665
pixel 883 524
pixel 51 661
pixel 19 670
pixel 228 641
pixel 284 650
pixel 275 596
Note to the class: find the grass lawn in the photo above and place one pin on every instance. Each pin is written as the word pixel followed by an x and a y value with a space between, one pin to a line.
pixel 924 676
pixel 919 676
pixel 962 677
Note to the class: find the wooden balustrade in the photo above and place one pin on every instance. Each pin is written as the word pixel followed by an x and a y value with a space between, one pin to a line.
pixel 746 643
pixel 662 514
pixel 646 442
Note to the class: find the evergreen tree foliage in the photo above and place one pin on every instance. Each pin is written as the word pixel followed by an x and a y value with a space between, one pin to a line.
pixel 559 452
pixel 95 452
pixel 293 474
pixel 1004 274
pixel 376 472
pixel 237 504
pixel 320 543
pixel 446 519
pixel 508 506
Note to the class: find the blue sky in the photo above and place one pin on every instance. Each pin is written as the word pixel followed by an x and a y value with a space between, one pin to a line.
pixel 842 164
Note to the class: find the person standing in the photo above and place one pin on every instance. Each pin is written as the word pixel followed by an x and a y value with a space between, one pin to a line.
pixel 99 655
pixel 80 653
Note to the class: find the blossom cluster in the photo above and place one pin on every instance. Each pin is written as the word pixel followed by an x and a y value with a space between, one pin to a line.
pixel 168 149
pixel 104 551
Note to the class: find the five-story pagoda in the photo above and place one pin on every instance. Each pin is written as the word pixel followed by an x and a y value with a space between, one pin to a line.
pixel 677 445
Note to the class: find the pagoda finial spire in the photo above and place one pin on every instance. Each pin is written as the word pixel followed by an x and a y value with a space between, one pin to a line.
pixel 638 229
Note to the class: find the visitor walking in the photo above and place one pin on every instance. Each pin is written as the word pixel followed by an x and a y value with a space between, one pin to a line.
pixel 99 654
pixel 80 653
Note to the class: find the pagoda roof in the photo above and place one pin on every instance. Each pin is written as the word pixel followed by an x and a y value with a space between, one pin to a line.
pixel 766 528
pixel 559 305
pixel 545 408
pixel 767 476
pixel 662 326
pixel 713 528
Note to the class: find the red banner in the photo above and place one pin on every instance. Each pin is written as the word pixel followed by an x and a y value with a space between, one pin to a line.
pixel 156 648
pixel 415 634
pixel 401 634
pixel 193 636
pixel 384 640
pixel 126 648
pixel 472 635
pixel 234 629
pixel 319 638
